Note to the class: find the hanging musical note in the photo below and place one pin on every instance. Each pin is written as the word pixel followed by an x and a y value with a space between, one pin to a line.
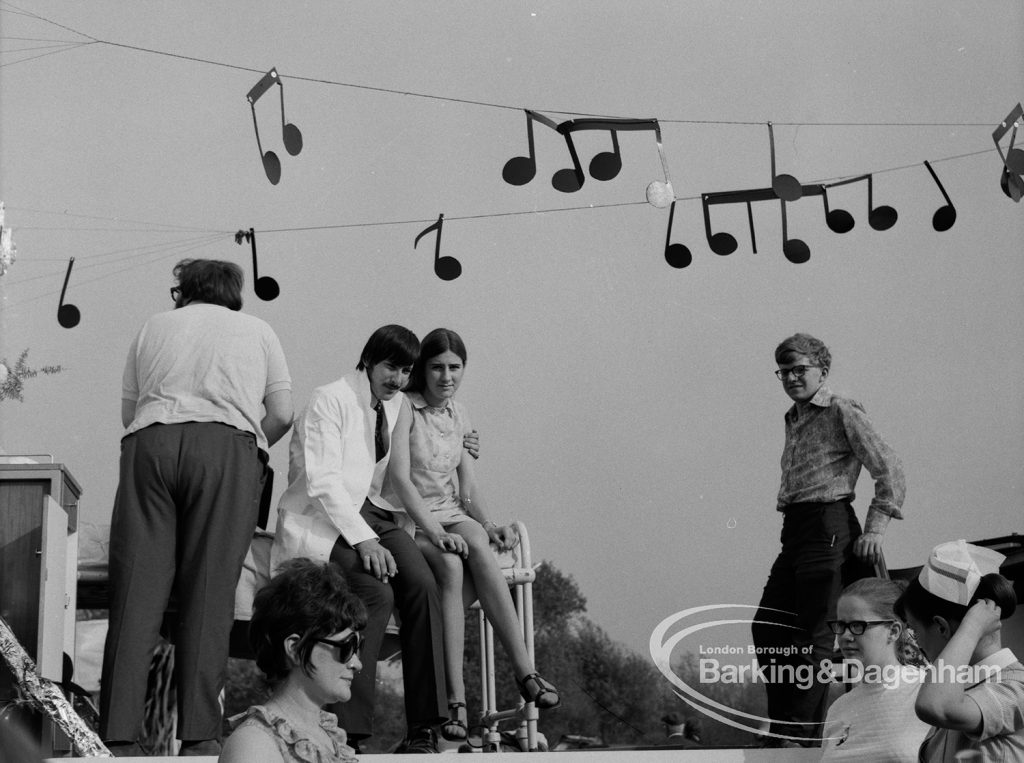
pixel 605 165
pixel 266 288
pixel 944 216
pixel 879 218
pixel 68 316
pixel 795 250
pixel 676 255
pixel 291 134
pixel 1010 177
pixel 446 268
pixel 520 170
pixel 838 220
pixel 786 187
pixel 723 243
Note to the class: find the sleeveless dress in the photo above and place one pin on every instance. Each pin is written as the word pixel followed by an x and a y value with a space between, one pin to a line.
pixel 293 746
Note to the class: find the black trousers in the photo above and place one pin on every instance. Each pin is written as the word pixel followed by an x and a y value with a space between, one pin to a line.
pixel 414 592
pixel 790 634
pixel 183 519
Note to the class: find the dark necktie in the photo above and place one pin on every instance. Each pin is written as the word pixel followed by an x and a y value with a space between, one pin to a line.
pixel 378 432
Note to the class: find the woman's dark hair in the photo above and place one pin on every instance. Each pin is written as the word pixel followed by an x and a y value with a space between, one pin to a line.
pixel 215 282
pixel 881 596
pixel 305 598
pixel 924 605
pixel 393 343
pixel 436 342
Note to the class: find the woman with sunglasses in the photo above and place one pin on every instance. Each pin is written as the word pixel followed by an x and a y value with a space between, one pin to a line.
pixel 306 633
pixel 875 720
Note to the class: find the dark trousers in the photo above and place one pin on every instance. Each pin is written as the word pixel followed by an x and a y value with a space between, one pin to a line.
pixel 183 518
pixel 414 592
pixel 790 634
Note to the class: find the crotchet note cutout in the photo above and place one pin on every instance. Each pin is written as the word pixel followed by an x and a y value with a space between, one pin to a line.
pixel 68 315
pixel 266 288
pixel 1010 178
pixel 446 268
pixel 291 134
pixel 945 216
pixel 604 165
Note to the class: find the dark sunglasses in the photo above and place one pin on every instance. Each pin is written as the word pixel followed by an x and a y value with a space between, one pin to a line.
pixel 857 627
pixel 347 647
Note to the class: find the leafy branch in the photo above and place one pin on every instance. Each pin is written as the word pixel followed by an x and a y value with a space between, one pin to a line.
pixel 12 380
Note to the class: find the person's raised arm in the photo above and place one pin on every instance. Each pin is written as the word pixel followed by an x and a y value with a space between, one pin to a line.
pixel 942 700
pixel 399 470
pixel 278 415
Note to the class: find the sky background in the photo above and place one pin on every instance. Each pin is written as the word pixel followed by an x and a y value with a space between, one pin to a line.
pixel 628 411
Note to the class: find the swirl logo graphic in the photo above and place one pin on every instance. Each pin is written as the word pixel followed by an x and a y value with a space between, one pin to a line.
pixel 671 631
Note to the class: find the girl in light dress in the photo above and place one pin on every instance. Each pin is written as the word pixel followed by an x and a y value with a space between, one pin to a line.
pixel 434 483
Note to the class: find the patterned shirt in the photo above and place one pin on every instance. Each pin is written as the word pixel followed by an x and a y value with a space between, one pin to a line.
pixel 828 439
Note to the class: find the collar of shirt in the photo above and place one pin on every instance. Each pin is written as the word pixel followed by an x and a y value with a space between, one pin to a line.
pixel 822 399
pixel 419 402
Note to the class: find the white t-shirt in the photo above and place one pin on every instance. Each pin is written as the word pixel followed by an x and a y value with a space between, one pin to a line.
pixel 204 363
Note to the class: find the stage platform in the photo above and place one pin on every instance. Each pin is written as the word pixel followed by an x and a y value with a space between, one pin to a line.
pixel 606 755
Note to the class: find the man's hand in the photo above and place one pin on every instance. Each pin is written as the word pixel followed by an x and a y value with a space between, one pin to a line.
pixel 471 442
pixel 868 548
pixel 377 560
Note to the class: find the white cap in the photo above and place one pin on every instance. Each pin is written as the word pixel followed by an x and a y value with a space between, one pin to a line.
pixel 955 569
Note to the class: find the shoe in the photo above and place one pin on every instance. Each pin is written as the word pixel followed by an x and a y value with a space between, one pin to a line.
pixel 454 729
pixel 421 740
pixel 544 695
pixel 126 749
pixel 197 747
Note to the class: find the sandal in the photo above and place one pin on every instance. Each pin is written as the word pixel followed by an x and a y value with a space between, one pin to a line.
pixel 544 697
pixel 454 729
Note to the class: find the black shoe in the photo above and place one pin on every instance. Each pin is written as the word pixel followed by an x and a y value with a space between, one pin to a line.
pixel 200 747
pixel 126 749
pixel 422 740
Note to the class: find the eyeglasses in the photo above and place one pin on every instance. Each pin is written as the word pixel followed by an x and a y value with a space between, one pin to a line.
pixel 347 647
pixel 797 371
pixel 857 627
pixel 175 293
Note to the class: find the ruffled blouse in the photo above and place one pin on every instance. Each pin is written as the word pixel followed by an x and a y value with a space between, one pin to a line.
pixel 293 746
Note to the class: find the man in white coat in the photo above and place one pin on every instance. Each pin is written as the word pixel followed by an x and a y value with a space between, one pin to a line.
pixel 333 512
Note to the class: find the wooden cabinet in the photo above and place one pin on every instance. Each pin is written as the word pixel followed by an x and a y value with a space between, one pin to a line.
pixel 38 572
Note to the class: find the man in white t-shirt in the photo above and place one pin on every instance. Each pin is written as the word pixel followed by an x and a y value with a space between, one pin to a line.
pixel 206 391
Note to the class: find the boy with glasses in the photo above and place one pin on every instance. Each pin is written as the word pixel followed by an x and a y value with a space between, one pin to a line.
pixel 828 440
